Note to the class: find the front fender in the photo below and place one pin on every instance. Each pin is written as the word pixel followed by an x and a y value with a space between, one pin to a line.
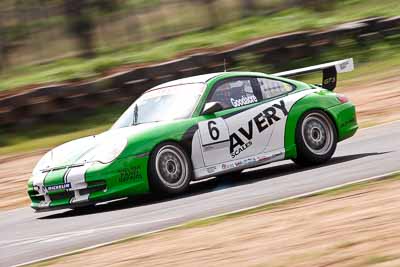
pixel 127 176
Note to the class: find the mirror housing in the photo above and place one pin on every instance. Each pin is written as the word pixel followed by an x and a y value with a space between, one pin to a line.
pixel 211 108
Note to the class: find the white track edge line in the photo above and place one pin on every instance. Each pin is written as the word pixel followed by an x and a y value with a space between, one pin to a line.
pixel 376 177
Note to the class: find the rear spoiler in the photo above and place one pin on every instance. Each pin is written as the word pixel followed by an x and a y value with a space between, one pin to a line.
pixel 329 70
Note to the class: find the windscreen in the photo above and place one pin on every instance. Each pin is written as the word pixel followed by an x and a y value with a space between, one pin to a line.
pixel 169 103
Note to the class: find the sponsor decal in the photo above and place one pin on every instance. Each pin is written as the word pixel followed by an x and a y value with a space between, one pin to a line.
pixel 344 65
pixel 263 158
pixel 130 175
pixel 211 169
pixel 241 149
pixel 251 160
pixel 241 139
pixel 58 187
pixel 245 100
pixel 226 166
pixel 329 80
pixel 244 161
pixel 237 163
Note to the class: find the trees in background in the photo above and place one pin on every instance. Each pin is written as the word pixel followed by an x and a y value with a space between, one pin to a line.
pixel 80 18
pixel 13 21
pixel 80 24
pixel 213 14
pixel 248 8
pixel 20 19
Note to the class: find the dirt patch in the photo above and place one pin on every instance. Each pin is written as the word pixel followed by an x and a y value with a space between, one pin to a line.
pixel 353 228
pixel 376 102
pixel 15 171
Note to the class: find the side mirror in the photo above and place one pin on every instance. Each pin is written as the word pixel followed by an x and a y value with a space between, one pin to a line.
pixel 211 108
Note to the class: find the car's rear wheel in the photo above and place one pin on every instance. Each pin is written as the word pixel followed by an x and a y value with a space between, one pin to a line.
pixel 170 169
pixel 316 138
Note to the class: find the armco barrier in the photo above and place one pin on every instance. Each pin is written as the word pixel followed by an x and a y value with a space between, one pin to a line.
pixel 63 100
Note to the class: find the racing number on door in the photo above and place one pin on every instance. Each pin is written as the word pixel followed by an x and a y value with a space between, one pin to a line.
pixel 213 131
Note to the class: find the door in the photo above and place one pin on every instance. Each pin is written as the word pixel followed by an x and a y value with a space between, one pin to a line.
pixel 214 136
pixel 233 133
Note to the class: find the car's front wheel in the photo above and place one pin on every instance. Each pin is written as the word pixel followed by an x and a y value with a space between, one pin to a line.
pixel 316 138
pixel 170 169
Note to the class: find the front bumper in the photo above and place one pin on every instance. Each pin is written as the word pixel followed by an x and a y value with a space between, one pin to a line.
pixel 61 207
pixel 89 184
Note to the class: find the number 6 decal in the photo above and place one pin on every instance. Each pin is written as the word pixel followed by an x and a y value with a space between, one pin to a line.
pixel 213 131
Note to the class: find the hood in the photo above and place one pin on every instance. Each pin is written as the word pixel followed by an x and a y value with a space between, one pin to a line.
pixel 73 152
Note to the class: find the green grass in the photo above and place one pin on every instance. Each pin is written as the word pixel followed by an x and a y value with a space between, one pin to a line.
pixel 285 21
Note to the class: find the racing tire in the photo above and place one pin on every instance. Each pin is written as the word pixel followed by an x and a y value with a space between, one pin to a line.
pixel 316 139
pixel 170 169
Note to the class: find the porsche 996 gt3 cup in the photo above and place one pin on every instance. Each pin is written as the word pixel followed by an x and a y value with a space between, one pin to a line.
pixel 199 127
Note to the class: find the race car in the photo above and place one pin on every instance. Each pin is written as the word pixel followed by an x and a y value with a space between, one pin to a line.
pixel 195 128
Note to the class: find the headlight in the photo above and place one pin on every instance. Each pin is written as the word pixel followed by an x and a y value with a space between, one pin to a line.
pixel 106 151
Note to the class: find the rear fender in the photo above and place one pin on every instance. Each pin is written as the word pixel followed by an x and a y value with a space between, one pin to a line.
pixel 322 100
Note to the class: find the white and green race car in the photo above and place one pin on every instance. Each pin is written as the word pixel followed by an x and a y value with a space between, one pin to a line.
pixel 195 128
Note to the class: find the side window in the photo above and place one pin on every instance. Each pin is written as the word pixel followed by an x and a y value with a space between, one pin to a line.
pixel 272 88
pixel 234 93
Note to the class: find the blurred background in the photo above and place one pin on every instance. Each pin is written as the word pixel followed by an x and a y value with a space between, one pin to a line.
pixel 67 60
pixel 41 31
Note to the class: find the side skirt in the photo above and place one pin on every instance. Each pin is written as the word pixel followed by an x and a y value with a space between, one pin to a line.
pixel 239 164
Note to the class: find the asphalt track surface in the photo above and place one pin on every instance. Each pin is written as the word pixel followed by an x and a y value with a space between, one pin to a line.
pixel 28 236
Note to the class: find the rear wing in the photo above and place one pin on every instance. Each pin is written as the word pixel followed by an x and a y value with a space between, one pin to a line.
pixel 329 71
